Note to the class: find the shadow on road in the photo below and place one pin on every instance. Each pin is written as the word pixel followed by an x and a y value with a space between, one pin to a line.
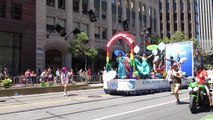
pixel 72 95
pixel 183 103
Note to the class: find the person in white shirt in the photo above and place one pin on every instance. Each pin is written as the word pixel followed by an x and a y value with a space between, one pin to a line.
pixel 210 75
pixel 169 78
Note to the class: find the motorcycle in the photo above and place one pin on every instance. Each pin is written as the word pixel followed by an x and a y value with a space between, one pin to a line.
pixel 198 96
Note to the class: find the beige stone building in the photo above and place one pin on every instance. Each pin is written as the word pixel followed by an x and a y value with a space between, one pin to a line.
pixel 71 14
pixel 177 15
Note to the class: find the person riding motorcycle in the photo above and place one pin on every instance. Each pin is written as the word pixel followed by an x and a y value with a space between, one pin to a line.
pixel 202 75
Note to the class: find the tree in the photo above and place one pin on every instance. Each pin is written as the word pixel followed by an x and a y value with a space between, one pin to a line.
pixel 79 46
pixel 178 37
pixel 157 39
pixel 195 42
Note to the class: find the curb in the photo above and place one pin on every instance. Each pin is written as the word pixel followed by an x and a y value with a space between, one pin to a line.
pixel 40 90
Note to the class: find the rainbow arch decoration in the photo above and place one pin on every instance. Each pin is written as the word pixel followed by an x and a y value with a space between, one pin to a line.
pixel 129 39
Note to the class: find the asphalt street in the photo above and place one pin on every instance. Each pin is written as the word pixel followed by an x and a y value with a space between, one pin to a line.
pixel 94 104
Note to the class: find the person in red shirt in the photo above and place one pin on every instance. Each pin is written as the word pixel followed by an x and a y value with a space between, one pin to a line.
pixel 89 74
pixel 201 76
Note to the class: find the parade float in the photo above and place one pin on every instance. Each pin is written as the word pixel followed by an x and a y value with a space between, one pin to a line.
pixel 136 83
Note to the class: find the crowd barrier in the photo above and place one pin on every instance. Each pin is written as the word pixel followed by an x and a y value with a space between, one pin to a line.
pixel 28 80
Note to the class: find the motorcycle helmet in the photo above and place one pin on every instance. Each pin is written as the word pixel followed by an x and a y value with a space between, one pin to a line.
pixel 200 67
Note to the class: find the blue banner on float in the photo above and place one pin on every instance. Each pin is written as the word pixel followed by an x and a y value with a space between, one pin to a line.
pixel 181 52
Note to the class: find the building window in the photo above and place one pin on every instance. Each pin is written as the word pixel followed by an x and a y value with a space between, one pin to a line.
pixel 167 5
pixel 104 10
pixel 167 15
pixel 182 26
pixel 85 28
pixel 2 8
pixel 182 16
pixel 174 5
pixel 114 13
pixel 61 4
pixel 119 14
pixel 10 46
pixel 175 16
pixel 97 8
pixel 160 5
pixel 16 11
pixel 189 17
pixel 168 34
pixel 50 23
pixel 104 13
pixel 84 6
pixel 76 5
pixel 168 26
pixel 113 1
pixel 114 31
pixel 62 22
pixel 133 18
pixel 97 32
pixel 175 26
pixel 161 26
pixel 76 25
pixel 51 3
pixel 104 33
pixel 181 5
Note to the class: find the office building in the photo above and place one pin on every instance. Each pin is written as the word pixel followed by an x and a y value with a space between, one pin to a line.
pixel 71 14
pixel 177 15
pixel 204 17
pixel 17 35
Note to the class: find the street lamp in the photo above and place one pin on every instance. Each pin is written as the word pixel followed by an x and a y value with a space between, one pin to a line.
pixel 145 34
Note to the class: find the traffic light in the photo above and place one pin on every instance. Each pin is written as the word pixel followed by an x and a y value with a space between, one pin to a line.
pixel 125 25
pixel 60 30
pixel 92 16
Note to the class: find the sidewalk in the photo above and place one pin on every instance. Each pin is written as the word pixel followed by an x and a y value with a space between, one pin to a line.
pixel 36 89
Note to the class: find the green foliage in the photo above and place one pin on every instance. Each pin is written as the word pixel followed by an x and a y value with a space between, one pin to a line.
pixel 195 42
pixel 6 82
pixel 79 46
pixel 157 39
pixel 165 40
pixel 44 84
pixel 178 37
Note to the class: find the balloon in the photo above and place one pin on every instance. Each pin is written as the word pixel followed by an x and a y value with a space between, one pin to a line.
pixel 152 47
pixel 109 75
pixel 184 74
pixel 161 46
pixel 136 49
pixel 155 52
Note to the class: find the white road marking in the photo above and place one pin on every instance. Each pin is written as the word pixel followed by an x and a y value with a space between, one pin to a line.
pixel 136 110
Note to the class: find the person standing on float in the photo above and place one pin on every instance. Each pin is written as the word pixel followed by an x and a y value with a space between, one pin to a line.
pixel 121 66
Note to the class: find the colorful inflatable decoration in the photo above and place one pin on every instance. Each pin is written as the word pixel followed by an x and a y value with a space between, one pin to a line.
pixel 129 39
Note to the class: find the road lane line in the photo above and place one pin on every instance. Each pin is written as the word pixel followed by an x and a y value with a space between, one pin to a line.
pixel 47 101
pixel 136 110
